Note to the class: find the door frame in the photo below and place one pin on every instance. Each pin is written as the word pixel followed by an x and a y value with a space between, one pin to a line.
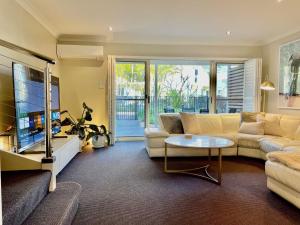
pixel 146 95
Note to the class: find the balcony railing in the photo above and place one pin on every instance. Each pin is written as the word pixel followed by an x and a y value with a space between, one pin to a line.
pixel 132 107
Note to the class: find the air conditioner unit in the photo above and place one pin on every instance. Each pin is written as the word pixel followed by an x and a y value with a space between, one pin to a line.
pixel 65 51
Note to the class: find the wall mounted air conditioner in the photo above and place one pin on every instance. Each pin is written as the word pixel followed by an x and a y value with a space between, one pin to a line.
pixel 65 51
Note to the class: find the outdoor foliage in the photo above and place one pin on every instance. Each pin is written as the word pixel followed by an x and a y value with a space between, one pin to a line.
pixel 175 86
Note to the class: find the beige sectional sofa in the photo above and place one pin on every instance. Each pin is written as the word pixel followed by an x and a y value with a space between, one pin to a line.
pixel 228 125
pixel 281 133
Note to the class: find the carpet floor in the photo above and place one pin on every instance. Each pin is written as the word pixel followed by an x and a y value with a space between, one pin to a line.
pixel 122 185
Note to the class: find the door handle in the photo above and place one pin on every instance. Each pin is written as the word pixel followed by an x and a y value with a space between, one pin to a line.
pixel 147 98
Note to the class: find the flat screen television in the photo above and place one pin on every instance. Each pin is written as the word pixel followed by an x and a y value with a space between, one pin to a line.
pixel 30 105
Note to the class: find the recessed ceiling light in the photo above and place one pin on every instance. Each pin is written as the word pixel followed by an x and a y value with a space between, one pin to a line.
pixel 110 28
pixel 228 33
pixel 279 1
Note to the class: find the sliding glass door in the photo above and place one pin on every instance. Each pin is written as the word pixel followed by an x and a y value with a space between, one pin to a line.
pixel 178 86
pixel 146 88
pixel 130 98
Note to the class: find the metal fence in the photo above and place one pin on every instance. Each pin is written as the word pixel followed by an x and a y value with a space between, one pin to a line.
pixel 132 107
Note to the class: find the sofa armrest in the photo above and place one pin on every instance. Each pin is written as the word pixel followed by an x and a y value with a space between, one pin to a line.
pixel 155 132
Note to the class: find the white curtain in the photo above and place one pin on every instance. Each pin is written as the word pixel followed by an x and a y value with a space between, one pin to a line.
pixel 252 81
pixel 111 95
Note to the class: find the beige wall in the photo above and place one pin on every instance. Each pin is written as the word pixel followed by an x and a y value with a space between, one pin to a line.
pixel 271 67
pixel 20 28
pixel 81 80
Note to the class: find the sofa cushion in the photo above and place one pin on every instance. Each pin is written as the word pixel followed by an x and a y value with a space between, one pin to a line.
pixel 209 123
pixel 256 128
pixel 249 140
pixel 289 159
pixel 172 123
pixel 201 123
pixel 291 148
pixel 272 144
pixel 289 125
pixel 271 124
pixel 230 122
pixel 189 123
pixel 250 116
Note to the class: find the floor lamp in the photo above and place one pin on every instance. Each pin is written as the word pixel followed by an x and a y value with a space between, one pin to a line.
pixel 266 86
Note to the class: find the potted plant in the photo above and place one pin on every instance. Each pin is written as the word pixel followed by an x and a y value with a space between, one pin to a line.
pixel 99 134
pixel 85 131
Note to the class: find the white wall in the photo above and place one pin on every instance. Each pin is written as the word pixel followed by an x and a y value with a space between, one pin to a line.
pixel 80 80
pixel 271 67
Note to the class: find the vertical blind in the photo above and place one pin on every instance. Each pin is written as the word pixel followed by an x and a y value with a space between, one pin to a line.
pixel 252 80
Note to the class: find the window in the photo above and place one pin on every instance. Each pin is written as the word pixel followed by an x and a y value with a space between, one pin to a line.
pixel 229 88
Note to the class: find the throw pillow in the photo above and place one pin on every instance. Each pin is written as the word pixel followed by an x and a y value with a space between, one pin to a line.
pixel 172 123
pixel 271 124
pixel 189 123
pixel 250 116
pixel 256 128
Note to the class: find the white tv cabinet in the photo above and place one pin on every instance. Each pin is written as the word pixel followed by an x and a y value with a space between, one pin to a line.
pixel 64 150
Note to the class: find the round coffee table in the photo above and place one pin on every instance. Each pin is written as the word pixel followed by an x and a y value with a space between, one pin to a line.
pixel 200 143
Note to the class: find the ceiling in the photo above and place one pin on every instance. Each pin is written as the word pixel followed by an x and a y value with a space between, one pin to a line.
pixel 251 22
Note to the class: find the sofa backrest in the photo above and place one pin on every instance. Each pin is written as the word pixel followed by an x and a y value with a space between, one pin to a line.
pixel 195 123
pixel 231 122
pixel 289 125
pixel 206 123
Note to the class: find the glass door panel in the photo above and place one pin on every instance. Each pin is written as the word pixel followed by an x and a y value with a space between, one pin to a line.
pixel 229 88
pixel 130 99
pixel 178 86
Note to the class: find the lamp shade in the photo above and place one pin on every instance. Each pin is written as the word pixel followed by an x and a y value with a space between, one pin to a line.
pixel 267 85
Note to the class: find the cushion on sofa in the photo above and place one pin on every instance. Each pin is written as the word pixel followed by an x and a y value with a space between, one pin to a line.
pixel 271 124
pixel 172 123
pixel 289 125
pixel 290 159
pixel 292 148
pixel 230 122
pixel 256 128
pixel 271 144
pixel 250 116
pixel 209 123
pixel 249 140
pixel 189 123
pixel 201 123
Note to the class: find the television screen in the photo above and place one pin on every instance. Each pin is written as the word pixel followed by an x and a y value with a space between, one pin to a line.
pixel 29 105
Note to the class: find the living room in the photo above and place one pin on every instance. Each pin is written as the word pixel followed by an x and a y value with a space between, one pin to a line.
pixel 173 112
